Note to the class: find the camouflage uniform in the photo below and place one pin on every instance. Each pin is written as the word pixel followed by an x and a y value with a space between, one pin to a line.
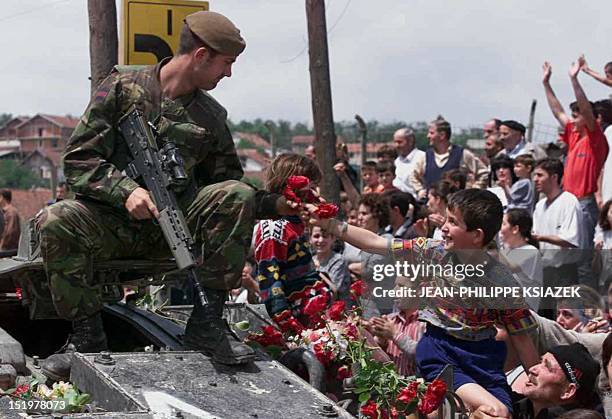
pixel 219 210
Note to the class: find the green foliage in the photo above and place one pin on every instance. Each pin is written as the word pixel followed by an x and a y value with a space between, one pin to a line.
pixel 15 176
pixel 242 143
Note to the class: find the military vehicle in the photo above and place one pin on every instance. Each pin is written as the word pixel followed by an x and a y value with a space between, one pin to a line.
pixel 146 373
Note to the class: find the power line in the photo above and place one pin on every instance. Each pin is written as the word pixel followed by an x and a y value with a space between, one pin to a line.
pixel 329 31
pixel 25 12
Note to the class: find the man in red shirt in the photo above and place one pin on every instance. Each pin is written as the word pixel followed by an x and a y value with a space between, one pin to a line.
pixel 586 154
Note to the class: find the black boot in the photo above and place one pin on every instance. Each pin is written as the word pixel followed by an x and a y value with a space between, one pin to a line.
pixel 88 337
pixel 207 332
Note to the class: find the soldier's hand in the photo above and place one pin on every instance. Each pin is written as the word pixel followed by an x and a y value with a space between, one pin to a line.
pixel 286 207
pixel 140 205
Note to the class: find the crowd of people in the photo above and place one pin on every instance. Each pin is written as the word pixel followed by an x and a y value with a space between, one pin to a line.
pixel 538 221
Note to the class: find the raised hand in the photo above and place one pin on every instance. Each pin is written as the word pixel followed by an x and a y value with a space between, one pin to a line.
pixel 582 62
pixel 575 69
pixel 547 68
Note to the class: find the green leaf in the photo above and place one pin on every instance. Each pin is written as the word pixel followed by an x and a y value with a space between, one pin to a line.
pixel 243 325
pixel 364 397
pixel 274 351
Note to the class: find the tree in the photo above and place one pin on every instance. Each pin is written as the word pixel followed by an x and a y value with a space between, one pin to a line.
pixel 15 176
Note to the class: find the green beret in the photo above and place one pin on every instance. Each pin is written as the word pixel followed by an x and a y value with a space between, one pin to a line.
pixel 217 31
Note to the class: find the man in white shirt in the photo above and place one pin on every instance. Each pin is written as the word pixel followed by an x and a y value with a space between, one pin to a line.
pixel 404 141
pixel 557 226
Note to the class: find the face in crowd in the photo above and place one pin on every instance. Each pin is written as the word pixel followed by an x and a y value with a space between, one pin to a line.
pixel 403 144
pixel 543 181
pixel 369 176
pixel 321 241
pixel 366 219
pixel 434 136
pixel 509 137
pixel 547 383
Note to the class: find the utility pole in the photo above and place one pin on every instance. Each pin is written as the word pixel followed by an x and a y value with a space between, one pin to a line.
pixel 531 121
pixel 320 87
pixel 270 126
pixel 102 39
pixel 363 134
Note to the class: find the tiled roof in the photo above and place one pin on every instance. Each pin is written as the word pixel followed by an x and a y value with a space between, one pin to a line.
pixel 253 154
pixel 303 139
pixel 54 156
pixel 61 121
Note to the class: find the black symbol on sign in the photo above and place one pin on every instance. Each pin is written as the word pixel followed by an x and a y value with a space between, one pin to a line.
pixel 152 44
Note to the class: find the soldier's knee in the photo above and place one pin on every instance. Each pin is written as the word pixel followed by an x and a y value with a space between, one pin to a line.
pixel 54 221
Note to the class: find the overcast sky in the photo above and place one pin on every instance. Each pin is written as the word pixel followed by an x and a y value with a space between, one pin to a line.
pixel 389 59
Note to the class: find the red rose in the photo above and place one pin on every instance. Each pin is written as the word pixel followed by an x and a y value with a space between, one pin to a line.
pixel 370 410
pixel 389 414
pixel 326 210
pixel 336 310
pixel 315 305
pixel 270 336
pixel 358 288
pixel 295 325
pixel 297 182
pixel 324 356
pixel 437 388
pixel 343 372
pixel 290 195
pixel 393 414
pixel 433 396
pixel 21 390
pixel 351 331
pixel 427 405
pixel 409 393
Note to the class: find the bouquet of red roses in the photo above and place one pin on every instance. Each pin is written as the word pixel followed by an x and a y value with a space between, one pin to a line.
pixel 298 190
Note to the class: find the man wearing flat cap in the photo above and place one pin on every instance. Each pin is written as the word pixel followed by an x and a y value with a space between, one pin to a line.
pixel 512 134
pixel 113 215
pixel 564 379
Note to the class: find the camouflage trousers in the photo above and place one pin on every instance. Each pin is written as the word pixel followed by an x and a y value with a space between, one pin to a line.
pixel 75 233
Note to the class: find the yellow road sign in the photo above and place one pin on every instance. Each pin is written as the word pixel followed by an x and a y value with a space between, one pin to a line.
pixel 150 28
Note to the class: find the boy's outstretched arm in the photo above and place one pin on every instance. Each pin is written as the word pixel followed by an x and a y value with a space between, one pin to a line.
pixel 586 110
pixel 357 236
pixel 526 350
pixel 553 102
pixel 602 79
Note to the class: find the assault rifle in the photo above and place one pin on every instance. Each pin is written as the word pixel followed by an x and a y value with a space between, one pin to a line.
pixel 161 171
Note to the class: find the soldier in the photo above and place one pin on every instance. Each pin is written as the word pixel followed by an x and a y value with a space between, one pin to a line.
pixel 112 214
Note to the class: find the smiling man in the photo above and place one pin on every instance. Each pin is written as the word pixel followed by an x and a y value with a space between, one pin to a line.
pixel 113 215
pixel 564 378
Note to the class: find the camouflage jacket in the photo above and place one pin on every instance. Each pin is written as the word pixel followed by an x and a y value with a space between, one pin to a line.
pixel 97 154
